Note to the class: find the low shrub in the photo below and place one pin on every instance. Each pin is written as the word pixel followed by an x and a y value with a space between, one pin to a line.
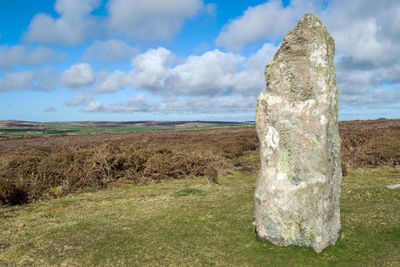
pixel 344 169
pixel 11 194
pixel 46 173
pixel 52 171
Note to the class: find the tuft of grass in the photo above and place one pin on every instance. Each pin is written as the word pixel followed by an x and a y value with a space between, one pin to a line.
pixel 150 226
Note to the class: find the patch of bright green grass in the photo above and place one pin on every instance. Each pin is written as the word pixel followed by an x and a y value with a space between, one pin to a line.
pixel 188 191
pixel 151 226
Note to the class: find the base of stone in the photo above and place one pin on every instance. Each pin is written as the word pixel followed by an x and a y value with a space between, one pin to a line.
pixel 281 242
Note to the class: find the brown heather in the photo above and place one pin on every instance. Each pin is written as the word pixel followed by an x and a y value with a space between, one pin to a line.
pixel 44 171
pixel 48 167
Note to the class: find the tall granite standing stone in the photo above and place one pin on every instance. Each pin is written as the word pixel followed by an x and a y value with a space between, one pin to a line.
pixel 298 187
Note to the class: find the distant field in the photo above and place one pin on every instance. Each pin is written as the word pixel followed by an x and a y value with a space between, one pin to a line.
pixel 15 129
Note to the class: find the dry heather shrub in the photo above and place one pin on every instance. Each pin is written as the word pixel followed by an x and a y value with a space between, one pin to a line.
pixel 167 164
pixel 370 143
pixel 344 169
pixel 234 148
pixel 381 150
pixel 159 167
pixel 10 194
pixel 371 148
pixel 212 175
pixel 42 173
pixel 59 170
pixel 107 163
pixel 135 163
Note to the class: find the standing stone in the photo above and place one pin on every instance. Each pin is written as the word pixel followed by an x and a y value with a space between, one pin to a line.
pixel 298 187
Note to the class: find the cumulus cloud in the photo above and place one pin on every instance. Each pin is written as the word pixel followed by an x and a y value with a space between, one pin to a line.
pixel 42 80
pixel 135 19
pixel 151 19
pixel 269 20
pixel 79 100
pixel 74 24
pixel 212 73
pixel 80 74
pixel 367 37
pixel 130 105
pixel 376 98
pixel 367 49
pixel 11 56
pixel 112 82
pixel 355 82
pixel 205 74
pixel 361 41
pixel 111 50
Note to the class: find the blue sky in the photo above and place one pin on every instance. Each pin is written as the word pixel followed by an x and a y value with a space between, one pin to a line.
pixel 69 60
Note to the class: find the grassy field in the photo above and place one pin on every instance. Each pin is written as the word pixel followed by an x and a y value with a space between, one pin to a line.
pixel 18 129
pixel 192 223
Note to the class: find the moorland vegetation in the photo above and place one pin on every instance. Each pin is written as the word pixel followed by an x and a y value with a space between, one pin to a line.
pixel 49 167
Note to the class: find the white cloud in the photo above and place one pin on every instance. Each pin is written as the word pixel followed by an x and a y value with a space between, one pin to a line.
pixel 353 82
pixel 262 57
pixel 367 49
pixel 361 41
pixel 80 99
pixel 130 105
pixel 11 56
pixel 206 74
pixel 367 32
pixel 376 98
pixel 197 104
pixel 151 67
pixel 80 74
pixel 269 20
pixel 111 50
pixel 212 73
pixel 251 80
pixel 111 82
pixel 74 24
pixel 151 19
pixel 134 19
pixel 390 74
pixel 42 80
pixel 367 37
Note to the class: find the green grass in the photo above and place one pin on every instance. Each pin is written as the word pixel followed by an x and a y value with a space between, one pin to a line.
pixel 193 223
pixel 188 191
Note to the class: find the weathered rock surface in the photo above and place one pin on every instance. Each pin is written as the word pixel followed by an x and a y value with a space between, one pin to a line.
pixel 393 186
pixel 298 188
